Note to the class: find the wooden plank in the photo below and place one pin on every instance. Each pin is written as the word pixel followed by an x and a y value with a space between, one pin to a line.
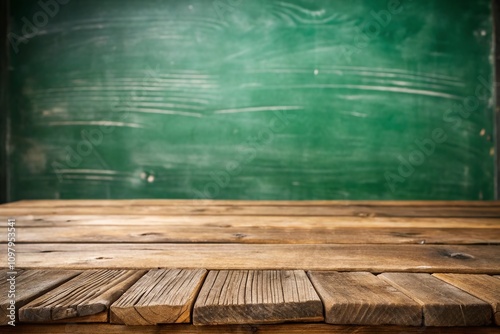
pixel 29 284
pixel 256 297
pixel 262 210
pixel 372 258
pixel 91 293
pixel 292 328
pixel 160 296
pixel 302 222
pixel 200 202
pixel 363 299
pixel 443 304
pixel 87 319
pixel 255 235
pixel 483 287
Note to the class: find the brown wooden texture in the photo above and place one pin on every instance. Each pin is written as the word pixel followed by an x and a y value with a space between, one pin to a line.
pixel 303 222
pixel 160 296
pixel 235 208
pixel 484 287
pixel 29 285
pixel 443 304
pixel 87 319
pixel 371 258
pixel 294 328
pixel 256 296
pixel 90 293
pixel 363 299
pixel 417 236
pixel 182 233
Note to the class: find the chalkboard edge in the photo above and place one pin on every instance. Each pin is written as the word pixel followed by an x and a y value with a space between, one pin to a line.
pixel 496 41
pixel 4 22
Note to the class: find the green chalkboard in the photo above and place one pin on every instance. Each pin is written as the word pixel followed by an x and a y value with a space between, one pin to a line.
pixel 254 99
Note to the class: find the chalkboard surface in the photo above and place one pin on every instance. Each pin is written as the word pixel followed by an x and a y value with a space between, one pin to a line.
pixel 254 99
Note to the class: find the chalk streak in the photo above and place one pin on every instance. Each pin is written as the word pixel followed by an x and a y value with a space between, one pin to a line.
pixel 100 123
pixel 368 72
pixel 90 177
pixel 375 88
pixel 89 171
pixel 141 104
pixel 395 70
pixel 253 109
pixel 163 112
pixel 125 88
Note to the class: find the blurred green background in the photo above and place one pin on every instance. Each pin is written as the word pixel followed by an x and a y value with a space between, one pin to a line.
pixel 261 99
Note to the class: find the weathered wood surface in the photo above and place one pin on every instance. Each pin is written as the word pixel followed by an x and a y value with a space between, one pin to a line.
pixel 303 222
pixel 484 287
pixel 443 304
pixel 411 237
pixel 363 299
pixel 90 293
pixel 29 284
pixel 160 296
pixel 256 297
pixel 254 234
pixel 234 208
pixel 293 328
pixel 371 258
pixel 87 319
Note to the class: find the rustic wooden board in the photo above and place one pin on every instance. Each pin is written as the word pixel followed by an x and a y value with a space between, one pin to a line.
pixel 443 304
pixel 87 319
pixel 30 284
pixel 371 258
pixel 363 299
pixel 160 296
pixel 91 293
pixel 253 234
pixel 302 222
pixel 293 328
pixel 256 296
pixel 262 210
pixel 484 287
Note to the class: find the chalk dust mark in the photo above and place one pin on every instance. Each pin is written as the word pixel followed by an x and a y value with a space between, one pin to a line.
pixel 255 109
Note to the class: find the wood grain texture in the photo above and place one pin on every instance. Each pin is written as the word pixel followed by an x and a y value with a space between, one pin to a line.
pixel 262 210
pixel 443 304
pixel 29 284
pixel 484 287
pixel 87 319
pixel 160 296
pixel 363 299
pixel 304 222
pixel 295 328
pixel 91 293
pixel 256 296
pixel 371 258
pixel 256 234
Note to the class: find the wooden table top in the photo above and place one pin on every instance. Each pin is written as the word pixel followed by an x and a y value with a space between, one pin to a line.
pixel 246 266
